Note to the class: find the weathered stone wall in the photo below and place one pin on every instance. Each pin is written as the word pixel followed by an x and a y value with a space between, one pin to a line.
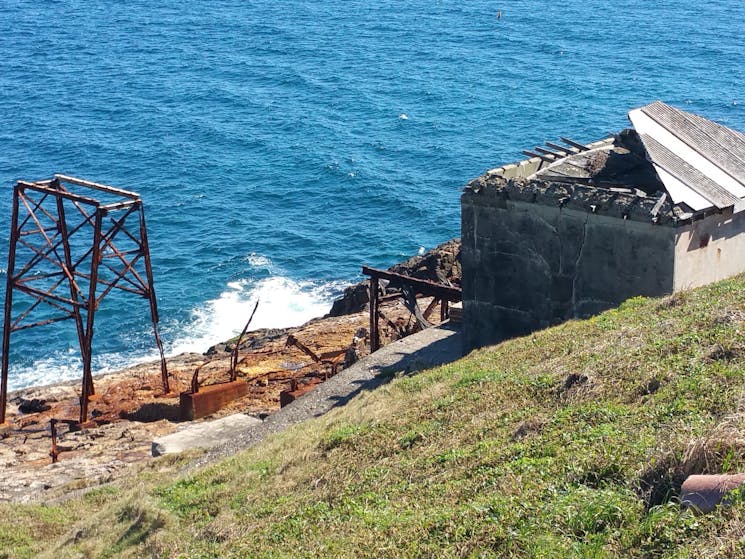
pixel 536 257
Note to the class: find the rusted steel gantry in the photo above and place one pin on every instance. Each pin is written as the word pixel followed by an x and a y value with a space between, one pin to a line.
pixel 410 287
pixel 69 238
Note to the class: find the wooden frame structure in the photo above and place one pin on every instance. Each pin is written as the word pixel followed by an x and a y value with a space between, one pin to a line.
pixel 62 248
pixel 410 287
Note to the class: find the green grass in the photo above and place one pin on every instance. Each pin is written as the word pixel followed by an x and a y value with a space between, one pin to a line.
pixel 571 442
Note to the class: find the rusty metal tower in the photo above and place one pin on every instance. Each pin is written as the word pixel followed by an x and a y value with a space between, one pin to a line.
pixel 71 243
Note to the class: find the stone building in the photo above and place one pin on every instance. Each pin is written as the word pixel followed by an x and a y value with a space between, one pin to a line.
pixel 577 229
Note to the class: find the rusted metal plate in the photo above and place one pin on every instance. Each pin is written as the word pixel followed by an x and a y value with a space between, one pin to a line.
pixel 288 396
pixel 209 399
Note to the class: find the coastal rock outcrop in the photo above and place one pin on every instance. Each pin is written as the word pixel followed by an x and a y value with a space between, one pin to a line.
pixel 440 264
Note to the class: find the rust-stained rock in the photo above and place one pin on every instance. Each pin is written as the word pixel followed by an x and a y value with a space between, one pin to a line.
pixel 440 264
pixel 129 409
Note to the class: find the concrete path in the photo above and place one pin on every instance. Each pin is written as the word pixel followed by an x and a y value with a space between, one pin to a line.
pixel 204 435
pixel 426 349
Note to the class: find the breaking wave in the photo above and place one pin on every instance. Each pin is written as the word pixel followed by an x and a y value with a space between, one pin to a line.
pixel 283 302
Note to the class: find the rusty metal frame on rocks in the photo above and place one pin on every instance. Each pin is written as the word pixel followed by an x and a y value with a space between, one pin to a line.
pixel 410 287
pixel 46 215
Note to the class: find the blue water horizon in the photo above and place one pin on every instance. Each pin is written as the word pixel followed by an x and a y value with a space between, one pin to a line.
pixel 277 147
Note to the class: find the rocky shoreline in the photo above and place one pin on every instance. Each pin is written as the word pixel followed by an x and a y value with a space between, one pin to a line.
pixel 129 410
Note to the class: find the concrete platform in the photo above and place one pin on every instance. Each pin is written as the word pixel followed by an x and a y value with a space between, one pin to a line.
pixel 209 434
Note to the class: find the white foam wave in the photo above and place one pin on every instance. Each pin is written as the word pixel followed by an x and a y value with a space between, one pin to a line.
pixel 62 366
pixel 282 303
pixel 259 261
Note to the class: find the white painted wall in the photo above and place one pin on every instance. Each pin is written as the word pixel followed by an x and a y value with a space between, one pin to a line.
pixel 709 250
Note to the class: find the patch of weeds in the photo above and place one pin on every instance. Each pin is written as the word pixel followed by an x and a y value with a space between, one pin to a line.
pixel 196 498
pixel 24 529
pixel 101 495
pixel 601 475
pixel 539 385
pixel 16 541
pixel 585 511
pixel 661 482
pixel 529 427
pixel 264 468
pixel 445 403
pixel 532 465
pixel 664 527
pixel 203 550
pixel 410 439
pixel 571 383
pixel 343 436
pixel 720 352
pixel 677 299
pixel 479 377
pixel 412 384
pixel 419 432
pixel 590 413
pixel 451 455
pixel 649 387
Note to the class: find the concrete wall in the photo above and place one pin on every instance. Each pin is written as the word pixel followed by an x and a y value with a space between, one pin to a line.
pixel 527 266
pixel 709 250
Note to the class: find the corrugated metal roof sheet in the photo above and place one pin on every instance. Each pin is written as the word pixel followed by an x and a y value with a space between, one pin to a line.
pixel 701 163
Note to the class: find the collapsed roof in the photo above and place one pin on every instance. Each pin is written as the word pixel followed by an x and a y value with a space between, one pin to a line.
pixel 691 165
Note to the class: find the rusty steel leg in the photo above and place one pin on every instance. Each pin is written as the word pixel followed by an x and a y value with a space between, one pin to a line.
pixel 69 268
pixel 87 342
pixel 374 305
pixel 153 302
pixel 8 304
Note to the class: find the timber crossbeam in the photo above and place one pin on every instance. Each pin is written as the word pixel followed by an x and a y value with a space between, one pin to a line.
pixel 410 287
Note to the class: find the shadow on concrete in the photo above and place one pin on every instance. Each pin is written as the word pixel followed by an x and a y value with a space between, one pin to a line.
pixel 403 363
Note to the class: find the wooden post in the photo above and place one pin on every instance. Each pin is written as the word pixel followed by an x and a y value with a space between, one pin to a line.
pixel 374 304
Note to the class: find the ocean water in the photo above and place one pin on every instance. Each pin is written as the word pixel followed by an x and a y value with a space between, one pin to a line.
pixel 278 146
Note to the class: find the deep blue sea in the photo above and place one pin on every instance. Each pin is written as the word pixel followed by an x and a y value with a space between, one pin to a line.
pixel 278 146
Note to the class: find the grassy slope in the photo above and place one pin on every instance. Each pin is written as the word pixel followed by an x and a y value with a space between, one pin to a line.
pixel 569 442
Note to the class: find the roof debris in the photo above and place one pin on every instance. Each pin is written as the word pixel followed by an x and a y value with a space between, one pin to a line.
pixel 672 166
